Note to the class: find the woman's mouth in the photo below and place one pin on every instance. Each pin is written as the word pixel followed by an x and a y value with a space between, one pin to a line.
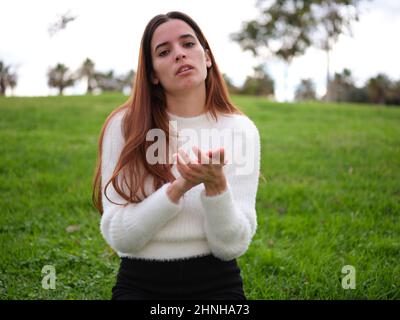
pixel 185 69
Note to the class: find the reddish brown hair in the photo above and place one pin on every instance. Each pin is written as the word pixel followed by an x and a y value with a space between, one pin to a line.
pixel 146 109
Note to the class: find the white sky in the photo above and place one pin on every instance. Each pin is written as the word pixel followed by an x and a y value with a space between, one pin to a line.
pixel 109 33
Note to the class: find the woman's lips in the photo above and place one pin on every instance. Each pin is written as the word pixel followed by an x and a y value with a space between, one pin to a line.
pixel 184 72
pixel 184 69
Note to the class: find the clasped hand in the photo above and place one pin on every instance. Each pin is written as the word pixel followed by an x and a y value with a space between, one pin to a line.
pixel 207 169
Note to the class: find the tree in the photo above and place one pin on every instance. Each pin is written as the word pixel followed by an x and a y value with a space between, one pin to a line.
pixel 393 96
pixel 60 77
pixel 87 71
pixel 106 81
pixel 341 87
pixel 271 31
pixel 259 84
pixel 331 19
pixel 288 27
pixel 8 79
pixel 378 89
pixel 305 91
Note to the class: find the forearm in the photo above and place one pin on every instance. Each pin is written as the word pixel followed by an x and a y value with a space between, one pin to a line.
pixel 224 215
pixel 128 228
pixel 175 191
pixel 178 188
pixel 229 225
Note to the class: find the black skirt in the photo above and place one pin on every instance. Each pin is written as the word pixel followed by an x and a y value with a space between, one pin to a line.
pixel 205 277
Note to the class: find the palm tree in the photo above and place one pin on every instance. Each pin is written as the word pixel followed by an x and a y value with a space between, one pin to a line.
pixel 7 78
pixel 60 77
pixel 87 71
pixel 107 82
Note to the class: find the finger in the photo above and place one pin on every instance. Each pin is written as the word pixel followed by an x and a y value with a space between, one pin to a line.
pixel 218 156
pixel 222 156
pixel 182 168
pixel 184 156
pixel 185 167
pixel 180 163
pixel 188 174
pixel 201 156
pixel 196 167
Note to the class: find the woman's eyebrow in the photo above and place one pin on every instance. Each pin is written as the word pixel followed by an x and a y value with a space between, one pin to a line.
pixel 183 36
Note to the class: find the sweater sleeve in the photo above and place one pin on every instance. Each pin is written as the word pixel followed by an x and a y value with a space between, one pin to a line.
pixel 231 220
pixel 129 227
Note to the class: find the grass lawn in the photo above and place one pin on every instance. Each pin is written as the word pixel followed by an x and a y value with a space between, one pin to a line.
pixel 330 198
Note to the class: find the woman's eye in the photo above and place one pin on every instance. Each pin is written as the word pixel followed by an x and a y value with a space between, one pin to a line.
pixel 166 52
pixel 163 53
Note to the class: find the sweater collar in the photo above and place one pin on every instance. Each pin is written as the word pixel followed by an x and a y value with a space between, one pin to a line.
pixel 196 120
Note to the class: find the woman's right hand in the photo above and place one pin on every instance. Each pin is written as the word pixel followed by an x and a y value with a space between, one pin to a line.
pixel 185 181
pixel 183 184
pixel 178 188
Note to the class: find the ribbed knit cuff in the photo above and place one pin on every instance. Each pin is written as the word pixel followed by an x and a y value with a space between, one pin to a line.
pixel 219 208
pixel 169 204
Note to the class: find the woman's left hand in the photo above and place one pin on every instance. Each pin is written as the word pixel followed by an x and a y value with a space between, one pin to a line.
pixel 208 169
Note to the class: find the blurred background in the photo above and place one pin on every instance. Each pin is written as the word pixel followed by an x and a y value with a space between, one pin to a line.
pixel 286 50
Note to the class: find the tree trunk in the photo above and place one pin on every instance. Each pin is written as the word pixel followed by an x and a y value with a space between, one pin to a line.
pixel 328 95
pixel 2 87
pixel 285 81
pixel 89 88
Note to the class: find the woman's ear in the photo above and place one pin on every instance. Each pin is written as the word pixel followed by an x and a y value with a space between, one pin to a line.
pixel 154 79
pixel 208 59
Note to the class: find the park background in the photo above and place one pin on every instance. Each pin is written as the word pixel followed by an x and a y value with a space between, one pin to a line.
pixel 330 191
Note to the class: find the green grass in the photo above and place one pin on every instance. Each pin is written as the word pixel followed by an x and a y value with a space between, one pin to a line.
pixel 331 197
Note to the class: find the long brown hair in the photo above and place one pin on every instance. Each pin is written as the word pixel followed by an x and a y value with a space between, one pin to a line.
pixel 146 109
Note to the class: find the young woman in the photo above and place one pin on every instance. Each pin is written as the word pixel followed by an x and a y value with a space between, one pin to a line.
pixel 179 223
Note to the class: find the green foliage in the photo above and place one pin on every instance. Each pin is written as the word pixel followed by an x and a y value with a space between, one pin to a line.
pixel 259 84
pixel 305 91
pixel 60 77
pixel 287 28
pixel 8 78
pixel 330 198
pixel 379 89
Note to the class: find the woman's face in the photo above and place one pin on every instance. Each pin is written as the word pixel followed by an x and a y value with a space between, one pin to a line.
pixel 179 61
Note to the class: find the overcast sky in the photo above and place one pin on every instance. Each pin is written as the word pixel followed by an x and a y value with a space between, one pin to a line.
pixel 109 33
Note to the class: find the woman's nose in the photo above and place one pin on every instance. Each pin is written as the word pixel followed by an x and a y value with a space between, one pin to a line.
pixel 180 56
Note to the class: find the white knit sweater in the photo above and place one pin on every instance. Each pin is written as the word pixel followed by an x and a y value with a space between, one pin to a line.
pixel 159 229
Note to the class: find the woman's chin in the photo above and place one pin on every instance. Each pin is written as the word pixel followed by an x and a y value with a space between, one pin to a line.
pixel 188 84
